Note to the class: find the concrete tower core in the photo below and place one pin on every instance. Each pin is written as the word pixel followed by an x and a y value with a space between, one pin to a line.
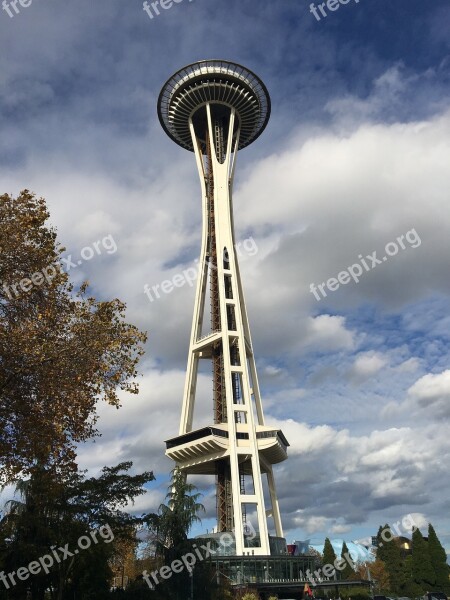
pixel 214 108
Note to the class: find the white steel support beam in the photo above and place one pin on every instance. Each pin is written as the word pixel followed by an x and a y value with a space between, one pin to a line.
pixel 239 414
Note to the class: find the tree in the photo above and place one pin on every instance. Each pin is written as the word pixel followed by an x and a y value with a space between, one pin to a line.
pixel 348 572
pixel 173 524
pixel 177 516
pixel 422 569
pixel 354 593
pixel 438 559
pixel 378 574
pixel 60 352
pixel 124 563
pixel 412 589
pixel 250 596
pixel 389 551
pixel 56 513
pixel 329 555
pixel 382 548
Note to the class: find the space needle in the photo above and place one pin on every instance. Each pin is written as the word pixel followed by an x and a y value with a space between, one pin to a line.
pixel 215 108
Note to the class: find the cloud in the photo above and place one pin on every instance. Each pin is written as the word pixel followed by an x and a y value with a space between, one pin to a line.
pixel 339 529
pixel 356 154
pixel 419 520
pixel 431 393
pixel 367 364
pixel 367 200
pixel 338 476
pixel 427 399
pixel 328 332
pixel 310 524
pixel 387 97
pixel 409 365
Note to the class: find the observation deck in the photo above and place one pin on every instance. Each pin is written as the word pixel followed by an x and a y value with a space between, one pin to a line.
pixel 197 450
pixel 216 82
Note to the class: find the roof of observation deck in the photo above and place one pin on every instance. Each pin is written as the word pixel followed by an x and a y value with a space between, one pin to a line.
pixel 217 82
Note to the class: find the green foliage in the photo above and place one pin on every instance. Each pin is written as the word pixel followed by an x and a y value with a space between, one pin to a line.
pixel 55 512
pixel 411 590
pixel 347 572
pixel 390 553
pixel 355 593
pixel 177 516
pixel 250 596
pixel 90 574
pixel 409 575
pixel 438 559
pixel 382 548
pixel 422 570
pixel 139 590
pixel 171 527
pixel 329 555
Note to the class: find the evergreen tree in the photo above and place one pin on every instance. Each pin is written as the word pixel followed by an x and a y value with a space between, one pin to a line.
pixel 52 512
pixel 329 555
pixel 179 514
pixel 438 559
pixel 381 543
pixel 390 553
pixel 412 590
pixel 348 572
pixel 173 524
pixel 422 570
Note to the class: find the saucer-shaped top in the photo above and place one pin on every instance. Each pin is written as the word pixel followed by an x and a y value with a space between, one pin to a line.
pixel 215 82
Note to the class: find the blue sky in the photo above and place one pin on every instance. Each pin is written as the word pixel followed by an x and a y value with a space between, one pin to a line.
pixel 356 154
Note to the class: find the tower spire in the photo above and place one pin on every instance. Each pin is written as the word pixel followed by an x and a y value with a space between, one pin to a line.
pixel 214 108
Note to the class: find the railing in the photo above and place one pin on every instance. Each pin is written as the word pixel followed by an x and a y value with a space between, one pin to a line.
pixel 206 431
pixel 278 434
pixel 207 335
pixel 195 435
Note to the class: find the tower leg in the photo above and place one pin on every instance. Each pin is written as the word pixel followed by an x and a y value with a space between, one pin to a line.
pixel 231 448
pixel 274 501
